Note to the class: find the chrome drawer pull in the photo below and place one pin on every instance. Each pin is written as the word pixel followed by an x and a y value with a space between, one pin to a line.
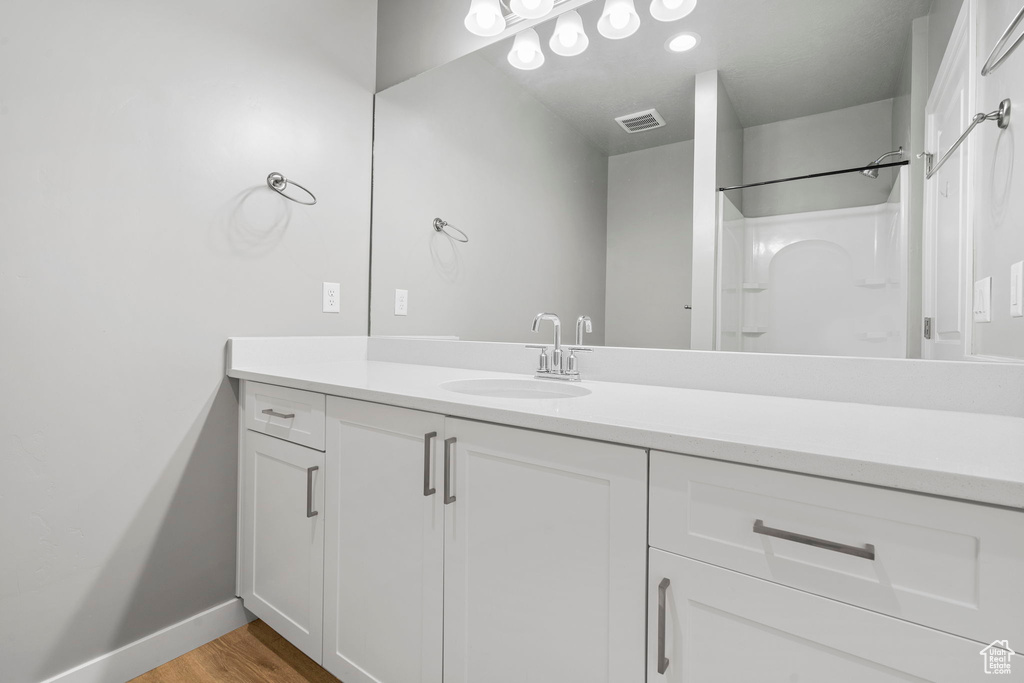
pixel 867 552
pixel 662 659
pixel 273 413
pixel 427 490
pixel 448 498
pixel 310 512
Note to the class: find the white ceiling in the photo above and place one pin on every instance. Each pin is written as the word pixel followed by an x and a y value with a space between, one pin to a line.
pixel 779 59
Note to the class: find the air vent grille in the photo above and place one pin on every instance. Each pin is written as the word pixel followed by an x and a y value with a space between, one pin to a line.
pixel 641 121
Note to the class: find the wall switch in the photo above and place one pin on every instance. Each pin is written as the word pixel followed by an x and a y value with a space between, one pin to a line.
pixel 401 302
pixel 332 297
pixel 983 300
pixel 1017 290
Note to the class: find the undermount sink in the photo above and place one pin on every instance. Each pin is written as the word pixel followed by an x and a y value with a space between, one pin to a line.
pixel 515 388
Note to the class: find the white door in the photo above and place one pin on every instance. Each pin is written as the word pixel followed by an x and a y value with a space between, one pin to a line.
pixel 283 539
pixel 946 264
pixel 385 544
pixel 719 626
pixel 544 558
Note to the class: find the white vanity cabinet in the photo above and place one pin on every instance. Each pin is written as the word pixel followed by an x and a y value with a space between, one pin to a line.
pixel 282 531
pixel 544 558
pixel 758 574
pixel 507 554
pixel 384 565
pixel 713 625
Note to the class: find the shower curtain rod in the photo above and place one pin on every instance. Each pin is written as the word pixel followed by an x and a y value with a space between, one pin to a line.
pixel 814 175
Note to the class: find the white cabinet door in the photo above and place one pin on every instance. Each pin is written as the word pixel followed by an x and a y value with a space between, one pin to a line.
pixel 545 550
pixel 283 539
pixel 384 587
pixel 720 626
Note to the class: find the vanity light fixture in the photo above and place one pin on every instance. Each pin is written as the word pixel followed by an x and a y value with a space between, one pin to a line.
pixel 532 9
pixel 618 20
pixel 569 38
pixel 526 53
pixel 670 10
pixel 682 42
pixel 485 18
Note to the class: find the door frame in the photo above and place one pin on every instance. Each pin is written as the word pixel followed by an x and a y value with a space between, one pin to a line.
pixel 960 54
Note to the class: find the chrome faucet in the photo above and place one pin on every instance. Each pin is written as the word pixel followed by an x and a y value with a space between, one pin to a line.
pixel 553 368
pixel 556 356
pixel 581 322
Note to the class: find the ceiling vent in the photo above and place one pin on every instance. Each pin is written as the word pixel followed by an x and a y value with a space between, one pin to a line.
pixel 640 121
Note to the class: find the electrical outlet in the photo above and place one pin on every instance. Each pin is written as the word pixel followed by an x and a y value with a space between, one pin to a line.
pixel 983 300
pixel 332 297
pixel 401 302
pixel 1017 290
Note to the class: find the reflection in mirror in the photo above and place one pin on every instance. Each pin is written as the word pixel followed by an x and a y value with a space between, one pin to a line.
pixel 566 210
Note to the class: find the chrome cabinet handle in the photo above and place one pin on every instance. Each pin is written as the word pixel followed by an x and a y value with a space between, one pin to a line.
pixel 310 512
pixel 448 498
pixel 273 413
pixel 662 659
pixel 427 490
pixel 867 551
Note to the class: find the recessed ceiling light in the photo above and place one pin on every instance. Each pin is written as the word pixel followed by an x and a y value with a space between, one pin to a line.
pixel 682 42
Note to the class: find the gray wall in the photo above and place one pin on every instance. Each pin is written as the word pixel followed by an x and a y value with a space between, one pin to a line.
pixel 845 138
pixel 730 148
pixel 138 236
pixel 650 243
pixel 466 144
pixel 999 179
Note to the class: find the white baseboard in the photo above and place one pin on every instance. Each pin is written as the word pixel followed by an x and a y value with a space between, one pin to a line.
pixel 135 659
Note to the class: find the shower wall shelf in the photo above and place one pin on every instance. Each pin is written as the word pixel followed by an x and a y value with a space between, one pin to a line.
pixel 754 330
pixel 870 283
pixel 755 286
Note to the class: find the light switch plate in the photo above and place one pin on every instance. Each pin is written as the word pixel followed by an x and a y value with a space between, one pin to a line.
pixel 1017 290
pixel 983 300
pixel 401 302
pixel 332 297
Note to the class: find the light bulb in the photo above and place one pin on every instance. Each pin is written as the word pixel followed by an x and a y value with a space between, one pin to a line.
pixel 619 19
pixel 671 10
pixel 526 53
pixel 569 38
pixel 531 9
pixel 486 19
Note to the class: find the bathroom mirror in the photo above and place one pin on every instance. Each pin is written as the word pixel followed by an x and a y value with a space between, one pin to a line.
pixel 567 211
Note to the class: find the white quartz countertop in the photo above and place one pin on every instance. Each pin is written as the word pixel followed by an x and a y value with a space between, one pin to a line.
pixel 970 456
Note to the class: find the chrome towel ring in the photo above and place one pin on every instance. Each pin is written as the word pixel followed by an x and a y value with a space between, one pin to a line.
pixel 443 226
pixel 991 64
pixel 278 183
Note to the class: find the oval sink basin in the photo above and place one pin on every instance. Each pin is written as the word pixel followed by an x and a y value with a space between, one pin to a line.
pixel 515 388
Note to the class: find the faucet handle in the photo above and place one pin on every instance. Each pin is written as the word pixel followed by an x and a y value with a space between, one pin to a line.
pixel 572 368
pixel 543 364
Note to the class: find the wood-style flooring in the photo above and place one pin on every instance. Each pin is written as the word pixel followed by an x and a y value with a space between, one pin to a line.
pixel 254 653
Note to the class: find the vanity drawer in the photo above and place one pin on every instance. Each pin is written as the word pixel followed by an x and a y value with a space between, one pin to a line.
pixel 290 414
pixel 951 565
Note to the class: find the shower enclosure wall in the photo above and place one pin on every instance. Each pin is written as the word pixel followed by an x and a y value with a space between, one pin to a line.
pixel 822 282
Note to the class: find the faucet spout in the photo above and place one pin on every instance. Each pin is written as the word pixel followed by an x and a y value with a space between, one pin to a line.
pixel 556 358
pixel 583 322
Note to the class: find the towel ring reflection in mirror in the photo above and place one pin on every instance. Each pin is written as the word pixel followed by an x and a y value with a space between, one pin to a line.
pixel 445 227
pixel 278 183
pixel 992 63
